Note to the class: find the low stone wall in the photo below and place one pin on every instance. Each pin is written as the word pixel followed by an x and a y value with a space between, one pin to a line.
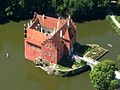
pixel 53 69
pixel 76 71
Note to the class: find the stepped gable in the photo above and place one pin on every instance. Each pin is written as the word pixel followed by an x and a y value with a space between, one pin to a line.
pixel 36 37
pixel 39 38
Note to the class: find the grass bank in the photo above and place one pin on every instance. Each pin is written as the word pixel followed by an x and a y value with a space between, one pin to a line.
pixel 109 20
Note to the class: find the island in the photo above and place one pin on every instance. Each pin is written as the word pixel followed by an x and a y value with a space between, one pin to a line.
pixel 51 44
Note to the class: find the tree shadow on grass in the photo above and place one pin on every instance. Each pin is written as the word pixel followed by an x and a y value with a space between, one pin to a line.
pixel 66 61
pixel 80 49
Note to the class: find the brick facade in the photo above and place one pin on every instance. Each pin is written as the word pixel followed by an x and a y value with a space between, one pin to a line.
pixel 49 38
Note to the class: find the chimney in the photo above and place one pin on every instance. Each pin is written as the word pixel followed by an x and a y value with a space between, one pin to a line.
pixel 61 34
pixel 41 30
pixel 43 17
pixel 30 22
pixel 35 16
pixel 58 23
pixel 58 18
pixel 54 30
pixel 25 26
pixel 68 22
pixel 69 17
pixel 28 25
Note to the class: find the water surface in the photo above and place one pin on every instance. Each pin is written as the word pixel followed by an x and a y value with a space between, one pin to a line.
pixel 19 74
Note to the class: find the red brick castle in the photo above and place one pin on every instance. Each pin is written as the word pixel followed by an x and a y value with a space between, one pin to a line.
pixel 49 38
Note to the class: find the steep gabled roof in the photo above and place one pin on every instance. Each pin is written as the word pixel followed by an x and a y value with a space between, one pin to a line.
pixel 50 22
pixel 36 37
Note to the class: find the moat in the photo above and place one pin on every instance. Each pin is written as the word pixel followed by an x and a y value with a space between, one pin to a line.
pixel 20 74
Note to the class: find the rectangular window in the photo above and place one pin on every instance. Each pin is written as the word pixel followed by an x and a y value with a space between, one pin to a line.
pixel 53 57
pixel 44 54
pixel 38 48
pixel 49 46
pixel 28 45
pixel 49 53
pixel 54 45
pixel 33 47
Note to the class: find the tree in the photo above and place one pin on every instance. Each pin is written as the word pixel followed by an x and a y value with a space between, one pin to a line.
pixel 78 9
pixel 103 76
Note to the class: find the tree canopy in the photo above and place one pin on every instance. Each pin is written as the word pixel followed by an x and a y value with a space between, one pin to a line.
pixel 78 9
pixel 103 76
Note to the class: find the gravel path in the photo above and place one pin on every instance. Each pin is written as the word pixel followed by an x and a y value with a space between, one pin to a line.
pixel 115 21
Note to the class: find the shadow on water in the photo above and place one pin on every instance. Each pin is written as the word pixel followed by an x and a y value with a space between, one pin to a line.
pixel 88 18
pixel 5 20
pixel 18 18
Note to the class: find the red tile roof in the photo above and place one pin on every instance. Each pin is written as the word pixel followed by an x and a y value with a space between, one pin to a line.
pixel 50 22
pixel 36 37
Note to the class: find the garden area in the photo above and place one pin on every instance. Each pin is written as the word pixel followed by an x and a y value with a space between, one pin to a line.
pixel 96 51
pixel 67 64
pixel 93 51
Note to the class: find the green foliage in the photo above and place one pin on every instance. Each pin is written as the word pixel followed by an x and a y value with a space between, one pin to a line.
pixel 103 76
pixel 76 8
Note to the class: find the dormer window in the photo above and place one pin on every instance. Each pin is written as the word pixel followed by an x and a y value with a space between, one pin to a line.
pixel 48 32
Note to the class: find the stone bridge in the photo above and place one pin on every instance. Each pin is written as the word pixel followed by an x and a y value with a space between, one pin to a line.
pixel 92 63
